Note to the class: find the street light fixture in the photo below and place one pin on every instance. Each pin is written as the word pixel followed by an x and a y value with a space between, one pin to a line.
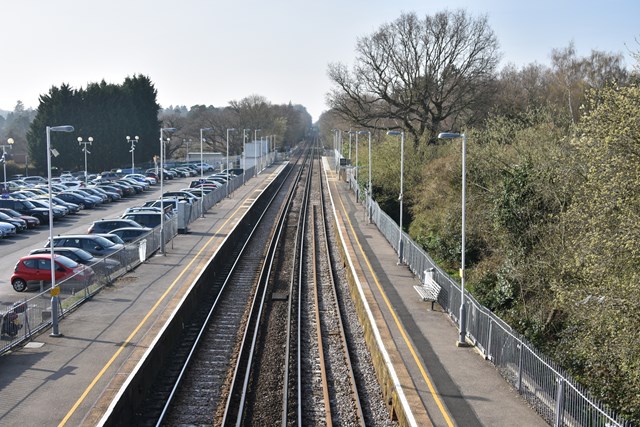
pixel 85 143
pixel 162 248
pixel 463 312
pixel 54 290
pixel 401 196
pixel 227 183
pixel 363 132
pixel 132 151
pixel 10 142
pixel 202 171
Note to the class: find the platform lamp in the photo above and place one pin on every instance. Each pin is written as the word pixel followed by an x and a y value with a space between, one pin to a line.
pixel 9 145
pixel 55 291
pixel 255 151
pixel 89 141
pixel 132 151
pixel 162 248
pixel 463 313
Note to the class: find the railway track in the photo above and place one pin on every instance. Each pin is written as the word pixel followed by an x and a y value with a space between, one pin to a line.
pixel 267 345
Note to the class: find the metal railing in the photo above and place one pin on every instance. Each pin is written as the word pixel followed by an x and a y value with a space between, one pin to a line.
pixel 29 316
pixel 550 390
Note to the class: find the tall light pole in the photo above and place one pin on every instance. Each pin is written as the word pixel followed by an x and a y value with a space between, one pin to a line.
pixel 202 171
pixel 401 196
pixel 10 142
pixel 463 312
pixel 162 248
pixel 85 143
pixel 244 152
pixel 227 183
pixel 54 289
pixel 132 151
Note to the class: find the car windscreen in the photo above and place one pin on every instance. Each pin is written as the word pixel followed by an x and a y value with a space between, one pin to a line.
pixel 65 261
pixel 27 204
pixel 105 243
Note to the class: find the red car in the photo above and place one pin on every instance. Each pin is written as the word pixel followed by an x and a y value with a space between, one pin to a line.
pixel 36 268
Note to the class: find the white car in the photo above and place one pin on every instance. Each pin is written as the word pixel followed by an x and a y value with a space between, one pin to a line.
pixel 7 229
pixel 139 177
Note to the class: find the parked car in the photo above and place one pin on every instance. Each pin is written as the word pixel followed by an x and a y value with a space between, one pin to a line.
pixel 106 225
pixel 130 234
pixel 147 218
pixel 199 192
pixel 112 238
pixel 35 180
pixel 79 199
pixel 59 212
pixel 18 223
pixel 25 207
pixel 99 265
pixel 181 194
pixel 32 221
pixel 95 245
pixel 7 229
pixel 37 268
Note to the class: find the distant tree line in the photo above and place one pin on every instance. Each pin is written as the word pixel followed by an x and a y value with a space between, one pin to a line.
pixel 552 179
pixel 110 112
pixel 104 111
pixel 289 124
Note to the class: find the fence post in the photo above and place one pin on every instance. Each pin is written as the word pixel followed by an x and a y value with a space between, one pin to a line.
pixel 520 368
pixel 488 355
pixel 559 420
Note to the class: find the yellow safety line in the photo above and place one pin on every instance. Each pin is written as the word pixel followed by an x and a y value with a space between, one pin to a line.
pixel 423 371
pixel 142 322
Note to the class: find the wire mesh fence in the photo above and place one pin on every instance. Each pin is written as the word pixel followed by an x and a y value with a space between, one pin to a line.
pixel 549 389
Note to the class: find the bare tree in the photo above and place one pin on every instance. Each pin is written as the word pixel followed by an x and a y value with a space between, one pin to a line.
pixel 419 75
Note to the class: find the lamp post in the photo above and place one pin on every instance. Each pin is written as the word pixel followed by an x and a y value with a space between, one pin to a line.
pixel 162 248
pixel 255 151
pixel 202 171
pixel 85 143
pixel 132 151
pixel 463 313
pixel 401 196
pixel 54 290
pixel 4 162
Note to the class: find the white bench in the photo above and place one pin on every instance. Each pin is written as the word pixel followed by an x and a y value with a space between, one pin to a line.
pixel 429 289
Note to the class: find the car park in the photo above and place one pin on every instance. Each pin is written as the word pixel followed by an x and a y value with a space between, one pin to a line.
pixel 106 225
pixel 37 268
pixel 95 245
pixel 32 221
pixel 131 234
pixel 99 265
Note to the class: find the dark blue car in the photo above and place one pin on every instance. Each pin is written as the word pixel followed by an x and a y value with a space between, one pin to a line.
pixel 77 199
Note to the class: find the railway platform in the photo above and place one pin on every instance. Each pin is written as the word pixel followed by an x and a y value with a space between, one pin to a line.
pixel 71 380
pixel 443 384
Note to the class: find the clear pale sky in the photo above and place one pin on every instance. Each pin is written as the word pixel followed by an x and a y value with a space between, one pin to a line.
pixel 211 52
